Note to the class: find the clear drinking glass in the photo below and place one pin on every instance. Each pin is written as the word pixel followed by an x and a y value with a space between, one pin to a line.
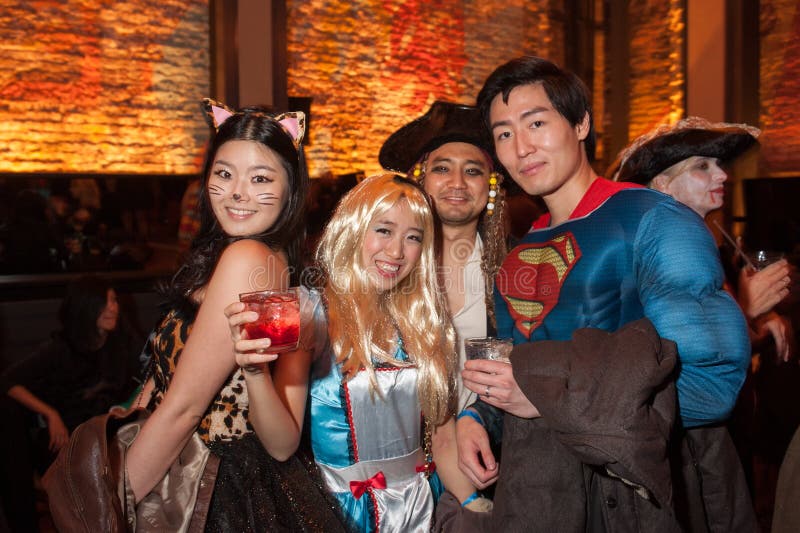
pixel 488 348
pixel 278 318
pixel 763 258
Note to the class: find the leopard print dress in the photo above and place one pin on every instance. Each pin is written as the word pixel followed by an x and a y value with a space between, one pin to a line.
pixel 253 492
pixel 226 417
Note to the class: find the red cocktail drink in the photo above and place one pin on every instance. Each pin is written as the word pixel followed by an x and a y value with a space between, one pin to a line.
pixel 278 318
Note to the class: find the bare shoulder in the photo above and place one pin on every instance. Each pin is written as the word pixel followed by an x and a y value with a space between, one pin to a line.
pixel 245 249
pixel 253 263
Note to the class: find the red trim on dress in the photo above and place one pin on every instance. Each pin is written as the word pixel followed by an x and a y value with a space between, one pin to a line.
pixel 375 509
pixel 349 412
pixel 354 440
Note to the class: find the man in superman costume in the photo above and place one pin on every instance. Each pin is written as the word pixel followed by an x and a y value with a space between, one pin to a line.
pixel 585 409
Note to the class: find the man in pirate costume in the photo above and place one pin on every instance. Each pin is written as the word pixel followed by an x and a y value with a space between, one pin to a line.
pixel 586 406
pixel 448 151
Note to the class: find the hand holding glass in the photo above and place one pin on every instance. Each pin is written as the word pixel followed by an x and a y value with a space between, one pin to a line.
pixel 488 348
pixel 278 318
pixel 763 258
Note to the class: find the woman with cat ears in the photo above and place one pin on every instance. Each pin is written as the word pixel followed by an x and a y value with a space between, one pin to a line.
pixel 252 225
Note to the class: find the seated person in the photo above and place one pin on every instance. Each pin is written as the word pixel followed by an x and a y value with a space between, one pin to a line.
pixel 83 370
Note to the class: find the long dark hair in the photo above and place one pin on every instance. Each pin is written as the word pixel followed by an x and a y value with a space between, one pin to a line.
pixel 288 231
pixel 85 299
pixel 566 91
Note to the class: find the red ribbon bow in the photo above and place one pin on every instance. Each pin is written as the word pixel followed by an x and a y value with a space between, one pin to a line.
pixel 358 488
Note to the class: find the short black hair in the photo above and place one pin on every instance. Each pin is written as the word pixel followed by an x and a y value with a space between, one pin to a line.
pixel 566 91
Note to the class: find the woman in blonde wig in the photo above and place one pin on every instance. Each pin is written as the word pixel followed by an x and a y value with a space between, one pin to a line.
pixel 383 387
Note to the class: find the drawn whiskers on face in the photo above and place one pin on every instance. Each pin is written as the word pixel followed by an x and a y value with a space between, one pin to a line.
pixel 266 198
pixel 216 190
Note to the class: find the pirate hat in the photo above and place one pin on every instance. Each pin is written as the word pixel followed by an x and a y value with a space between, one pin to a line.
pixel 443 123
pixel 654 152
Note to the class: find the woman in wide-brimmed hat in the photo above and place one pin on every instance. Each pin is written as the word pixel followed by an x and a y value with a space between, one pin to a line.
pixel 685 161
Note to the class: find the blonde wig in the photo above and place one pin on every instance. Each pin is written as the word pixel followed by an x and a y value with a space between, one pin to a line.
pixel 364 324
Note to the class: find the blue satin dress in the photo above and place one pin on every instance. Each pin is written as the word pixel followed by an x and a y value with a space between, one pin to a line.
pixel 368 446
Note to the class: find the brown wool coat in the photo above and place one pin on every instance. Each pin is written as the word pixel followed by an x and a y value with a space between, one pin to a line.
pixel 598 454
pixel 598 458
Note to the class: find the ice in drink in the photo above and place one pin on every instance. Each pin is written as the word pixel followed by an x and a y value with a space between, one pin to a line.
pixel 278 318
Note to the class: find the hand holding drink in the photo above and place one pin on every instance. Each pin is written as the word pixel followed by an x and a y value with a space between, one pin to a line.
pixel 488 348
pixel 760 259
pixel 278 318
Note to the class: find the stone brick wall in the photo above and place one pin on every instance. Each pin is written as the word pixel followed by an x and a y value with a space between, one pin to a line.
pixel 91 86
pixel 103 87
pixel 780 87
pixel 657 81
pixel 373 65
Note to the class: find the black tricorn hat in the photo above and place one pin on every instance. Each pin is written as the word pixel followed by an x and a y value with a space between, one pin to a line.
pixel 654 152
pixel 443 123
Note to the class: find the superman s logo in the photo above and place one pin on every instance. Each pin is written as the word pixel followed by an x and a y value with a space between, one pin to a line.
pixel 531 278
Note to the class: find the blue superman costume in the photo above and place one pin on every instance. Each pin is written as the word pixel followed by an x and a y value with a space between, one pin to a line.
pixel 627 253
pixel 624 254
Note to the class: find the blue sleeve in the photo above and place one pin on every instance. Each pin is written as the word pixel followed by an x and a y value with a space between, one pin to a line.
pixel 680 282
pixel 492 419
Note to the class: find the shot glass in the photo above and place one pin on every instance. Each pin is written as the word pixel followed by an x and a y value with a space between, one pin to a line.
pixel 278 318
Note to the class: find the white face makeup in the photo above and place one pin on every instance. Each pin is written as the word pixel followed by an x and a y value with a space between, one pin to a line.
pixel 700 185
pixel 247 187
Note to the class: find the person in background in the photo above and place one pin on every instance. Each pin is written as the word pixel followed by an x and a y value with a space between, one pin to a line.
pixel 447 152
pixel 86 193
pixel 254 186
pixel 686 160
pixel 609 257
pixel 86 368
pixel 383 388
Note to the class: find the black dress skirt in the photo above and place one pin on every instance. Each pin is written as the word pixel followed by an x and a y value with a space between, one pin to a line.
pixel 255 493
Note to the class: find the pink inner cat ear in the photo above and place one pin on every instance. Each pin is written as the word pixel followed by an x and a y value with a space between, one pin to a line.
pixel 216 113
pixel 291 125
pixel 220 115
pixel 295 125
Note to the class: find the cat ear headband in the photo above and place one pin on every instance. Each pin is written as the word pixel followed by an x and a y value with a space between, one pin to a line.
pixel 293 122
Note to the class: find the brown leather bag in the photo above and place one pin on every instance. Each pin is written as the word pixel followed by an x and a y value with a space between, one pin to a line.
pixel 86 485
